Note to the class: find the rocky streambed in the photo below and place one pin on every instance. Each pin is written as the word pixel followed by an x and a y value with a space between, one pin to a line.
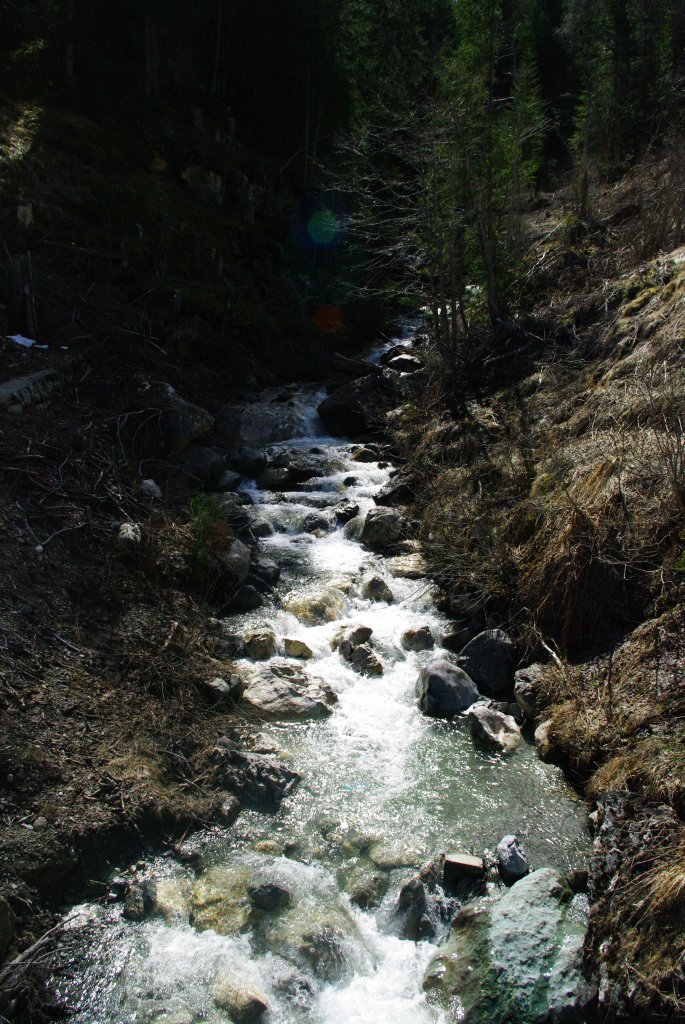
pixel 393 847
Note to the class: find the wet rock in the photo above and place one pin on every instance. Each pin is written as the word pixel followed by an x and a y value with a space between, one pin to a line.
pixel 367 453
pixel 346 512
pixel 284 691
pixel 544 742
pixel 493 730
pixel 313 609
pixel 390 856
pixel 172 900
pixel 526 687
pixel 411 914
pixel 260 644
pixel 235 513
pixel 376 589
pixel 368 891
pixel 246 599
pixel 297 649
pixel 394 351
pixel 303 468
pixel 266 571
pixel 383 527
pixel 269 896
pixel 261 527
pixel 228 811
pixel 249 462
pixel 316 521
pixel 397 492
pixel 357 407
pixel 420 639
pixel 444 690
pixel 350 481
pixel 244 1004
pixel 324 950
pixel 509 962
pixel 274 478
pixel 489 661
pixel 140 899
pixel 258 780
pixel 7 924
pixel 512 860
pixel 350 636
pixel 365 661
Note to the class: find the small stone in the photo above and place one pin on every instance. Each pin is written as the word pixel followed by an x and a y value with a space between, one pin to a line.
pixel 297 649
pixel 229 810
pixel 512 860
pixel 130 534
pixel 420 639
pixel 347 638
pixel 365 661
pixel 150 488
pixel 245 1005
pixel 40 823
pixel 269 896
pixel 369 892
pixel 259 645
pixel 229 688
pixel 376 589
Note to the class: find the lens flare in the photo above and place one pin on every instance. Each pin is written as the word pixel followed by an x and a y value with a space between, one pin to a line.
pixel 328 318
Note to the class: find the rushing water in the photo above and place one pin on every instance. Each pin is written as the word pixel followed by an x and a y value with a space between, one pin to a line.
pixel 383 788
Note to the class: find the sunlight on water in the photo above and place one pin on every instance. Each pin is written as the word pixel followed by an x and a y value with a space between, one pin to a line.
pixel 383 787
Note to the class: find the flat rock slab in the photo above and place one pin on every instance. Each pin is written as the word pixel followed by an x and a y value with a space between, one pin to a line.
pixel 408 567
pixel 459 866
pixel 284 691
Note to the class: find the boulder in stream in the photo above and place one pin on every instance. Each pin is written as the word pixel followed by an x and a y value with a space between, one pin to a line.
pixel 376 589
pixel 383 527
pixel 420 639
pixel 297 649
pixel 357 407
pixel 283 691
pixel 348 637
pixel 315 608
pixel 258 780
pixel 259 644
pixel 512 860
pixel 244 1004
pixel 514 961
pixel 365 661
pixel 492 729
pixel 445 690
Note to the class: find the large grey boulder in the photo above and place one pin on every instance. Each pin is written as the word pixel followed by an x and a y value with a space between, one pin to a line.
pixel 515 961
pixel 444 690
pixel 489 660
pixel 397 492
pixel 492 729
pixel 512 860
pixel 257 423
pixel 284 691
pixel 383 527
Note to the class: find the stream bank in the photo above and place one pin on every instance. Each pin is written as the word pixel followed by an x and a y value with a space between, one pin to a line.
pixel 309 907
